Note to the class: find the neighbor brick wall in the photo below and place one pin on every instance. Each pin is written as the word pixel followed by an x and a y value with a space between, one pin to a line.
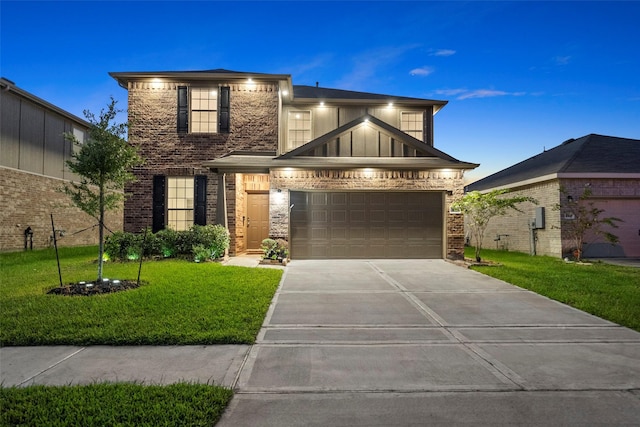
pixel 153 129
pixel 29 199
pixel 377 180
pixel 516 224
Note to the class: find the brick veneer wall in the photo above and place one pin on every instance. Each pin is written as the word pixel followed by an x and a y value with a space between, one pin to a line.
pixel 29 199
pixel 448 182
pixel 516 224
pixel 153 129
pixel 551 240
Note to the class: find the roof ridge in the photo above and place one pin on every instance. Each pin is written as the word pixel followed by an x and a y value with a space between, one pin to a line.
pixel 583 140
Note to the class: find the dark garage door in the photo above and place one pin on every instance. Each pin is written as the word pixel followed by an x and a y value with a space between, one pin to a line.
pixel 366 225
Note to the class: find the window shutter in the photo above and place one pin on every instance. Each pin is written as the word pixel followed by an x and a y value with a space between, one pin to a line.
pixel 200 214
pixel 224 109
pixel 183 109
pixel 159 197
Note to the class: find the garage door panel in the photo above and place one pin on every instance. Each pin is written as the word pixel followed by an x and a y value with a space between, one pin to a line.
pixel 356 199
pixel 397 216
pixel 319 216
pixel 319 233
pixel 366 225
pixel 357 233
pixel 377 216
pixel 378 233
pixel 338 233
pixel 339 199
pixel 318 199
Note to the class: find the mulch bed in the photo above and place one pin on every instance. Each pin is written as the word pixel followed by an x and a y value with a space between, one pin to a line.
pixel 89 288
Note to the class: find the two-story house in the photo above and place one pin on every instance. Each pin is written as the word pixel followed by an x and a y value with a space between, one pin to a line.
pixel 33 169
pixel 338 174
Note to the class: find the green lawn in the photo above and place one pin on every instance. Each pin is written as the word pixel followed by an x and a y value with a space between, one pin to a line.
pixel 608 291
pixel 180 302
pixel 113 405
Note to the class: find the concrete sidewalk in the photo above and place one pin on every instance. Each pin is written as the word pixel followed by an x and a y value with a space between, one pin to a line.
pixel 388 342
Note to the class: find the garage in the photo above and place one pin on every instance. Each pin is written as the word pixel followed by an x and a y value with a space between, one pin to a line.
pixel 628 231
pixel 359 224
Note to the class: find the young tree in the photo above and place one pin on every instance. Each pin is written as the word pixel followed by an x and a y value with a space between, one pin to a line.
pixel 581 216
pixel 481 207
pixel 104 164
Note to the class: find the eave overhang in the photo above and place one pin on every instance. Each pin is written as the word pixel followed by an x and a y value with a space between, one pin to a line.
pixel 262 164
pixel 123 78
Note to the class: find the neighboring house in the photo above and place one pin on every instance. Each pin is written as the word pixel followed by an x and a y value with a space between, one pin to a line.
pixel 336 173
pixel 33 152
pixel 608 166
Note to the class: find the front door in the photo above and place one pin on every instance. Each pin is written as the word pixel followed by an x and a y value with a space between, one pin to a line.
pixel 257 219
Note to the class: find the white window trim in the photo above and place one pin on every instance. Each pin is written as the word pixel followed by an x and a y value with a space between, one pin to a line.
pixel 291 145
pixel 412 131
pixel 216 111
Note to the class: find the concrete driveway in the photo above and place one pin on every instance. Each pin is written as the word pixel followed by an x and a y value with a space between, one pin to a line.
pixel 426 342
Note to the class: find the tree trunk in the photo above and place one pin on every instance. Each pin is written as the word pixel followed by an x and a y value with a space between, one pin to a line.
pixel 101 235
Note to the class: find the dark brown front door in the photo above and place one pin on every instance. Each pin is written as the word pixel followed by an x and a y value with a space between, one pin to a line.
pixel 257 219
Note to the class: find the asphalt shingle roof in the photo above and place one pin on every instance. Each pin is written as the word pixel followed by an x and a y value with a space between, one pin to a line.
pixel 588 154
pixel 315 92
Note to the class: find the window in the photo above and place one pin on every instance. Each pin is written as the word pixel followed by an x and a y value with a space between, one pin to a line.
pixel 412 123
pixel 78 134
pixel 180 203
pixel 299 128
pixel 204 110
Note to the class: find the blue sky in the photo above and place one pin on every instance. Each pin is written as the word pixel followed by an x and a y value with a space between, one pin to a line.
pixel 519 76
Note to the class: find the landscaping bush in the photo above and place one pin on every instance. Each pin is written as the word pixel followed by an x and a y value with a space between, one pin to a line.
pixel 275 249
pixel 200 242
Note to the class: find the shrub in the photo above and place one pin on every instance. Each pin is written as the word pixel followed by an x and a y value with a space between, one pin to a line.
pixel 201 242
pixel 121 245
pixel 169 242
pixel 275 249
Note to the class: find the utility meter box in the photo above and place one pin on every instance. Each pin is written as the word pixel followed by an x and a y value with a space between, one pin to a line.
pixel 539 221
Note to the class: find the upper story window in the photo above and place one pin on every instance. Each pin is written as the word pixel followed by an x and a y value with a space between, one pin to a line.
pixel 203 109
pixel 413 124
pixel 299 128
pixel 79 135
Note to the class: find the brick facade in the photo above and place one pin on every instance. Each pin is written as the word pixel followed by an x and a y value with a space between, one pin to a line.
pixel 513 228
pixel 29 199
pixel 551 240
pixel 255 128
pixel 152 114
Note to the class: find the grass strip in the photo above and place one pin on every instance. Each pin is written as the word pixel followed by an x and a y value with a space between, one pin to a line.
pixel 113 404
pixel 607 291
pixel 179 303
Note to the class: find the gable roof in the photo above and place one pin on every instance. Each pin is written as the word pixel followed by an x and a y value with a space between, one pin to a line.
pixel 429 158
pixel 590 154
pixel 397 134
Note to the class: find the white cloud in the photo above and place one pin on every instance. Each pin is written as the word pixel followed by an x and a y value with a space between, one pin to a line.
pixel 562 60
pixel 462 93
pixel 450 92
pixel 443 52
pixel 422 71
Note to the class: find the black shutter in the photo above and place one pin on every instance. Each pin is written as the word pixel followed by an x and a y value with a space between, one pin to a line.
pixel 159 191
pixel 183 109
pixel 224 109
pixel 200 214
